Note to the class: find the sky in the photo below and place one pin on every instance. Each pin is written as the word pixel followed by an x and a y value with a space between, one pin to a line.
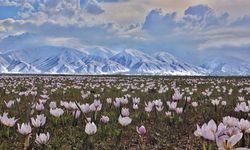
pixel 189 29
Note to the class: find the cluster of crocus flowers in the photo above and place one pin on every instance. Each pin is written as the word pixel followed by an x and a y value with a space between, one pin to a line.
pixel 96 106
pixel 242 107
pixel 177 95
pixel 158 105
pixel 227 134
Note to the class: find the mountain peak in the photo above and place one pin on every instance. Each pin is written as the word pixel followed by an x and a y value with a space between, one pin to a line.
pixel 165 57
pixel 99 51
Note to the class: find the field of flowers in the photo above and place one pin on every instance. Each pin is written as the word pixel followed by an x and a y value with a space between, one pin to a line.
pixel 124 112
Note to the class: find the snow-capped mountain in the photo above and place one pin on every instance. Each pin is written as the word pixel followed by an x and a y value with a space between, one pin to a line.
pixel 50 59
pixel 95 60
pixel 101 60
pixel 226 66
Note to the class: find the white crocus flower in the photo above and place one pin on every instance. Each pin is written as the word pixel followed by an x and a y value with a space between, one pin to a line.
pixel 57 112
pixel 24 129
pixel 90 128
pixel 42 138
pixel 124 121
pixel 39 121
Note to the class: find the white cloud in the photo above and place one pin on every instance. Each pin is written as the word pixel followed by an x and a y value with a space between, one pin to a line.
pixel 230 41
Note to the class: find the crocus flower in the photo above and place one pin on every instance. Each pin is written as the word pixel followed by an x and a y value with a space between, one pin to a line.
pixel 230 121
pixel 223 103
pixel 124 100
pixel 65 104
pixel 136 100
pixel 172 105
pixel 149 106
pixel 90 128
pixel 124 121
pixel 158 102
pixel 10 122
pixel 228 143
pixel 215 102
pixel 109 100
pixel 39 106
pixel 9 104
pixel 96 105
pixel 207 131
pixel 52 104
pixel 125 112
pixel 168 113
pixel 57 112
pixel 24 129
pixel 135 106
pixel 179 110
pixel 194 104
pixel 42 138
pixel 244 125
pixel 242 106
pixel 72 105
pixel 177 95
pixel 159 108
pixel 39 121
pixel 117 102
pixel 141 130
pixel 18 100
pixel 85 108
pixel 76 114
pixel 104 119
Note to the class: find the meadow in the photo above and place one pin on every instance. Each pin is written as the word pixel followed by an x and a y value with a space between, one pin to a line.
pixel 124 112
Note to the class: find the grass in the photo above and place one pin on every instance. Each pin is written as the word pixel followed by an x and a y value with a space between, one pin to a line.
pixel 175 132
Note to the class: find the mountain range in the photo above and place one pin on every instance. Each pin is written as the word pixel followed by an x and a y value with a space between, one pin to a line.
pixel 102 60
pixel 51 59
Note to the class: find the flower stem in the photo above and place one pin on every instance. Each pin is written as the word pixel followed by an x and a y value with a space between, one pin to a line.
pixel 204 146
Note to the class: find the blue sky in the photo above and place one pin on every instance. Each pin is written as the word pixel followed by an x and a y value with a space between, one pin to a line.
pixel 197 28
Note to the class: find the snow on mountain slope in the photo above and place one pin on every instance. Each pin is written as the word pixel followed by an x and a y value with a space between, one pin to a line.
pixel 226 66
pixel 50 59
pixel 173 66
pixel 129 57
pixel 165 57
pixel 99 51
pixel 147 67
pixel 46 59
pixel 163 63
